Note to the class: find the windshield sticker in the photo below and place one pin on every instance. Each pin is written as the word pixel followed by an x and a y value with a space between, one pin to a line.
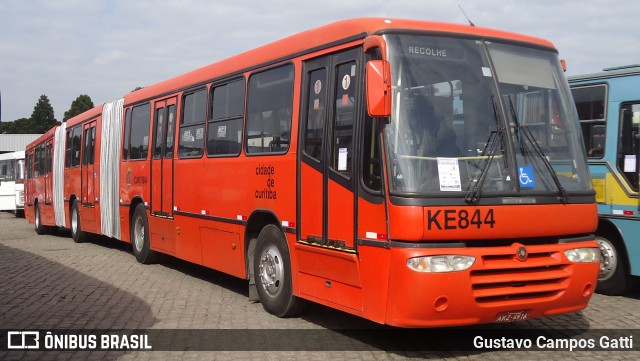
pixel 316 104
pixel 222 131
pixel 342 159
pixel 317 87
pixel 346 82
pixel 486 71
pixel 187 137
pixel 200 133
pixel 629 163
pixel 428 51
pixel 525 175
pixel 449 174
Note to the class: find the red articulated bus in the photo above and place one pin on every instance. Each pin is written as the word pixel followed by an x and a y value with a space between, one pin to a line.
pixel 413 173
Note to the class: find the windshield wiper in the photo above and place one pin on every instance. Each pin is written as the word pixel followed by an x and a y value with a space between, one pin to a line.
pixel 473 196
pixel 538 151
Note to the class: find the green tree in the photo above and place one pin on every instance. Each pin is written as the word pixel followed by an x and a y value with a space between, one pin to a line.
pixel 43 118
pixel 82 103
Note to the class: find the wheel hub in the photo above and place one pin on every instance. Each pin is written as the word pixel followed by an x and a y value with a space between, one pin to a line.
pixel 609 260
pixel 74 222
pixel 138 235
pixel 271 271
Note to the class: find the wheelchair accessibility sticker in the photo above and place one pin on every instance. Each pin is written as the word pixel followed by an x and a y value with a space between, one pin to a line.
pixel 525 175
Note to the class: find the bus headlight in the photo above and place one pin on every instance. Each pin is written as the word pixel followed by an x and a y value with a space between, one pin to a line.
pixel 443 263
pixel 583 255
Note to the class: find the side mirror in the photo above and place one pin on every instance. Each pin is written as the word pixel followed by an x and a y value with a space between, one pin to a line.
pixel 379 88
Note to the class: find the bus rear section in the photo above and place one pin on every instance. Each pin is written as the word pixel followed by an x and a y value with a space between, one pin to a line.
pixel 609 110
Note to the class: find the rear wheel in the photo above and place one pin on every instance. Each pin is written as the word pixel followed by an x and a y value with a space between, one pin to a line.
pixel 40 228
pixel 140 237
pixel 77 233
pixel 272 272
pixel 613 278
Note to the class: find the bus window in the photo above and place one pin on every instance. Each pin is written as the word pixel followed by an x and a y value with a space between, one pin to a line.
pixel 38 164
pixel 125 136
pixel 269 111
pixel 315 113
pixel 342 139
pixel 590 103
pixel 140 132
pixel 629 143
pixel 6 170
pixel 194 113
pixel 72 149
pixel 225 126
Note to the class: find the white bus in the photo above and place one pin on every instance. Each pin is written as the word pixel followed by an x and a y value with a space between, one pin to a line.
pixel 12 182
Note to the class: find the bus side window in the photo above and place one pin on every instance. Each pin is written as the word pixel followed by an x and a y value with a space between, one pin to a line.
pixel 269 107
pixel 591 106
pixel 225 126
pixel 629 143
pixel 192 123
pixel 125 136
pixel 139 137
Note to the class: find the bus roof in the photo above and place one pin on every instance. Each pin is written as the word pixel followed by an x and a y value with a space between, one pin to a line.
pixel 12 155
pixel 315 39
pixel 49 134
pixel 606 73
pixel 91 113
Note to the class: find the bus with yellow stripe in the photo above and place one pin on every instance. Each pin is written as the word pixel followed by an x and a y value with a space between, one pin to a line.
pixel 608 105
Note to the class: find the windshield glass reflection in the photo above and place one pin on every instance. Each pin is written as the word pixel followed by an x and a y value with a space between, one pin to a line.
pixel 448 132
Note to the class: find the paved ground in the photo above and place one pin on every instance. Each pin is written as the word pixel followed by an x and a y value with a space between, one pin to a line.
pixel 49 282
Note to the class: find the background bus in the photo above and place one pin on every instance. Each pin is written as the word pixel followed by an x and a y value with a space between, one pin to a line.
pixel 12 182
pixel 608 105
pixel 397 170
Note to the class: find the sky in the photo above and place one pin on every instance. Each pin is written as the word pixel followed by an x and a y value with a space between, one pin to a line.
pixel 105 49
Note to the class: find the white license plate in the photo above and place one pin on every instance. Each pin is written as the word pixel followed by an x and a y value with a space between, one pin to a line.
pixel 512 316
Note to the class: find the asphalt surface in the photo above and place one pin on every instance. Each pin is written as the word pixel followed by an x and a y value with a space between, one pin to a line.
pixel 49 283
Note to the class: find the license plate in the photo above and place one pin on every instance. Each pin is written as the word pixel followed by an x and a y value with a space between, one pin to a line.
pixel 512 316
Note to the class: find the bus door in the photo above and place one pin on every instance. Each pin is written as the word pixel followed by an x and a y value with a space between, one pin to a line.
pixel 164 124
pixel 327 174
pixel 162 161
pixel 89 173
pixel 48 174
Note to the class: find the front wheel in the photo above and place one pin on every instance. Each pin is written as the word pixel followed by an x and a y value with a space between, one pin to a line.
pixel 613 278
pixel 272 271
pixel 140 236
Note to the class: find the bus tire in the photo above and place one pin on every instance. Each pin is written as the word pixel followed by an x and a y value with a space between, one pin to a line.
pixel 140 237
pixel 77 233
pixel 272 271
pixel 39 227
pixel 613 278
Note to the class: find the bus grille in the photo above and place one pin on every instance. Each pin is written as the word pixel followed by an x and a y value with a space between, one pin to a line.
pixel 504 278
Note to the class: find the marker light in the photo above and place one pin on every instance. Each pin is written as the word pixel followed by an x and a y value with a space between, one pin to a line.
pixel 443 263
pixel 583 255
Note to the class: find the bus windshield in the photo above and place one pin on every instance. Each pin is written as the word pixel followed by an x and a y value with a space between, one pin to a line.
pixel 478 119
